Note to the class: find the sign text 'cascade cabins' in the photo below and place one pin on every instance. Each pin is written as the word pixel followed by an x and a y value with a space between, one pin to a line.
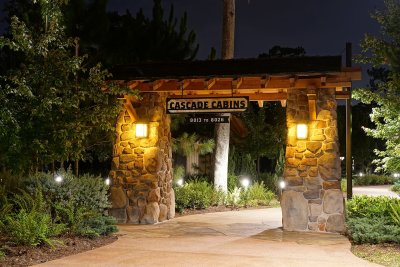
pixel 207 105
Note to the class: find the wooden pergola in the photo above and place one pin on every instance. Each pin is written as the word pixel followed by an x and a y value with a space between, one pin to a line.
pixel 259 79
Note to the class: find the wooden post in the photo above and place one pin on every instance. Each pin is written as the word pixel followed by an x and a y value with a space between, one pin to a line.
pixel 349 168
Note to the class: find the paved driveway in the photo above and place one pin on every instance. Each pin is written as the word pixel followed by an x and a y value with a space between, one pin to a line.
pixel 237 238
pixel 374 190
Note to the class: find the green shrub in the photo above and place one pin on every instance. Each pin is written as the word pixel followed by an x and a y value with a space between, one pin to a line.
pixel 98 225
pixel 194 194
pixel 85 191
pixel 396 187
pixel 30 223
pixel 256 195
pixel 370 207
pixel 373 219
pixel 395 212
pixel 270 181
pixel 233 197
pixel 373 179
pixel 233 181
pixel 372 230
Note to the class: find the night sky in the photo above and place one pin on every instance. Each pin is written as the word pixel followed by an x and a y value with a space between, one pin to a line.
pixel 322 27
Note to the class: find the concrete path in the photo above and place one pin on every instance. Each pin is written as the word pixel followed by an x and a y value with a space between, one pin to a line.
pixel 374 190
pixel 237 238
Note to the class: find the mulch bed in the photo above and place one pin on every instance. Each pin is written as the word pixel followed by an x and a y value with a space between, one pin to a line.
pixel 27 256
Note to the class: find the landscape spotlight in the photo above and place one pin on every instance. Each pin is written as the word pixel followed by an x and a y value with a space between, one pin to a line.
pixel 302 131
pixel 361 174
pixel 396 175
pixel 245 182
pixel 179 182
pixel 141 130
pixel 282 184
pixel 107 181
pixel 58 178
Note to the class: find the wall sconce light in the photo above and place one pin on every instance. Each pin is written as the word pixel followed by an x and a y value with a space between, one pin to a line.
pixel 141 130
pixel 302 131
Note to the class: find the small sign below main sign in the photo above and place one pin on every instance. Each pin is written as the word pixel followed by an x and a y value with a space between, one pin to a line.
pixel 207 105
pixel 207 119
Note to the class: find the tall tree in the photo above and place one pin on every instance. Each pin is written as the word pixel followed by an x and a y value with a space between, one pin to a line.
pixel 222 130
pixel 55 104
pixel 384 51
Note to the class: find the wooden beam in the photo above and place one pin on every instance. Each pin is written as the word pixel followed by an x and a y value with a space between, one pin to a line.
pixel 131 111
pixel 312 107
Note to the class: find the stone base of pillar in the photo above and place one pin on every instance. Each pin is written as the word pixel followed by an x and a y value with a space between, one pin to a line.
pixel 312 199
pixel 141 171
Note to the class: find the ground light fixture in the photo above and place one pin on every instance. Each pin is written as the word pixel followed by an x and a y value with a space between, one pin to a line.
pixel 141 130
pixel 396 175
pixel 58 178
pixel 107 181
pixel 282 184
pixel 361 174
pixel 179 182
pixel 301 131
pixel 245 182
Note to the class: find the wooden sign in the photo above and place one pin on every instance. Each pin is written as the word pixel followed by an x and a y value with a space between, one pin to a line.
pixel 207 119
pixel 207 105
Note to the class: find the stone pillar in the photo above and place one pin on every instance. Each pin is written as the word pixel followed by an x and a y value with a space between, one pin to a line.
pixel 141 171
pixel 312 199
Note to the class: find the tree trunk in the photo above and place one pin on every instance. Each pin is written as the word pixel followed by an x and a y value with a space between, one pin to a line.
pixel 222 130
pixel 76 168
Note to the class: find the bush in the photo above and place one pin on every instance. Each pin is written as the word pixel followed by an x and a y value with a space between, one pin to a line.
pixel 98 225
pixel 233 181
pixel 372 230
pixel 29 223
pixel 256 195
pixel 370 207
pixel 373 219
pixel 396 187
pixel 85 191
pixel 194 194
pixel 373 179
pixel 233 197
pixel 270 181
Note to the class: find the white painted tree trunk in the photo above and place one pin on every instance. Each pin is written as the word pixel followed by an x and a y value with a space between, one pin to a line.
pixel 222 130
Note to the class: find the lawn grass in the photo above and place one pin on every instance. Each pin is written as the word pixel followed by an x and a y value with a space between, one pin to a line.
pixel 384 254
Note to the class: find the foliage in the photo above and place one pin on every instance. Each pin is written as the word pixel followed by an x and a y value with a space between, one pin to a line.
pixel 373 230
pixel 266 134
pixel 373 179
pixel 373 219
pixel 52 103
pixel 187 144
pixel 233 197
pixel 179 173
pixel 256 195
pixel 270 181
pixel 383 51
pixel 233 181
pixel 194 195
pixel 370 207
pixel 85 222
pixel 30 223
pixel 86 191
pixel 395 212
pixel 396 187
